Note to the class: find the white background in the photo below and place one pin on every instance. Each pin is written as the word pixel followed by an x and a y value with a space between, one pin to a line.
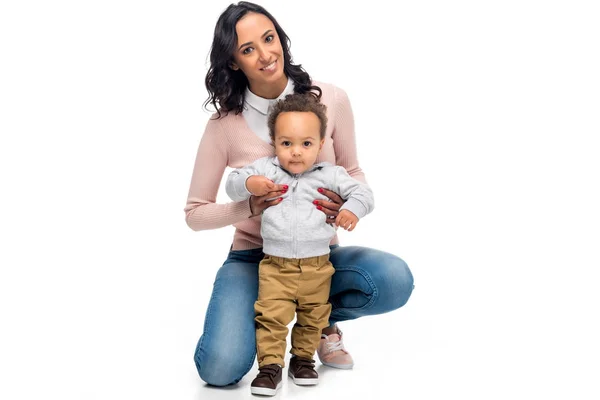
pixel 477 126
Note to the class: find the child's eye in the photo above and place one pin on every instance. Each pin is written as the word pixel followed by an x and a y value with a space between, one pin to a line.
pixel 286 143
pixel 307 144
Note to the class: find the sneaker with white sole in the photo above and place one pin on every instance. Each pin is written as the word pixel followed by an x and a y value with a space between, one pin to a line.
pixel 302 371
pixel 332 353
pixel 268 381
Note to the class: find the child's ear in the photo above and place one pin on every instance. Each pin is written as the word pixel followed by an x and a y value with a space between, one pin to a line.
pixel 321 144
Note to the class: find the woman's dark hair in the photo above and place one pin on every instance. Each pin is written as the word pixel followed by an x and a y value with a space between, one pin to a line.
pixel 225 86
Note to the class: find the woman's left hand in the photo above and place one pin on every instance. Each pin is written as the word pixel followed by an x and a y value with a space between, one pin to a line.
pixel 330 208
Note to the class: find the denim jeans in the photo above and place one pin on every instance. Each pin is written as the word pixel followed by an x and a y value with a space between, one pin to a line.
pixel 366 282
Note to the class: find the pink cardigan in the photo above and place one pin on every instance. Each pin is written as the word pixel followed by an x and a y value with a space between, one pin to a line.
pixel 229 142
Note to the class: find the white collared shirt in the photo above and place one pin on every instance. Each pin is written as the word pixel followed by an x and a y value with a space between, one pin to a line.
pixel 256 111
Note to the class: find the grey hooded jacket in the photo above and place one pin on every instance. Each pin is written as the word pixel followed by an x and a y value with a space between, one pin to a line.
pixel 295 228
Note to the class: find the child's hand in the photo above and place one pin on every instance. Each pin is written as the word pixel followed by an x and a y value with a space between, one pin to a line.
pixel 260 185
pixel 347 220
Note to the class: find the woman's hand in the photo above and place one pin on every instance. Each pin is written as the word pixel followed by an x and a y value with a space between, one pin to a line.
pixel 330 208
pixel 258 204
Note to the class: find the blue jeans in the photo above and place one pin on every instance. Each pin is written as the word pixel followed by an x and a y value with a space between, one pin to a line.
pixel 366 282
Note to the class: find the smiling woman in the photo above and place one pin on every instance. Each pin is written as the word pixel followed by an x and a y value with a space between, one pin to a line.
pixel 259 55
pixel 250 69
pixel 250 50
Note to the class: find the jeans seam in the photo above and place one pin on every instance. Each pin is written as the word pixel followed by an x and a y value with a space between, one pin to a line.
pixel 206 318
pixel 369 281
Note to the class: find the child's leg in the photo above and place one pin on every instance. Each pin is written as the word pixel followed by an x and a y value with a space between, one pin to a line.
pixel 313 309
pixel 275 308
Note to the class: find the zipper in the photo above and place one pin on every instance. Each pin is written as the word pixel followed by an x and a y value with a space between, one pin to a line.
pixel 295 219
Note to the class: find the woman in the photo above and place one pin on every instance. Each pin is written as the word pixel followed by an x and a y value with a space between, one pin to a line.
pixel 251 67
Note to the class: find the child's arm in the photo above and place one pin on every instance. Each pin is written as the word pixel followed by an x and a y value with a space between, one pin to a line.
pixel 249 180
pixel 346 220
pixel 359 200
pixel 259 185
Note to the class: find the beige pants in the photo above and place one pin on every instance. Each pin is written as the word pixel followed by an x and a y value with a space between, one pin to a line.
pixel 288 286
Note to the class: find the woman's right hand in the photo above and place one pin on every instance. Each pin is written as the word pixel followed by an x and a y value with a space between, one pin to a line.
pixel 258 204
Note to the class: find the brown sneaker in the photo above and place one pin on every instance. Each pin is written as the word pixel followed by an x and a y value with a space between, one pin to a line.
pixel 268 380
pixel 302 371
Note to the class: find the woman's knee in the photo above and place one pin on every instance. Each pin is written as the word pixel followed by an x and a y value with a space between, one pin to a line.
pixel 395 282
pixel 226 350
pixel 390 277
pixel 222 365
pixel 385 277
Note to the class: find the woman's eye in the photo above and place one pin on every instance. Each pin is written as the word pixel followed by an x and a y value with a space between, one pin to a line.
pixel 269 38
pixel 247 50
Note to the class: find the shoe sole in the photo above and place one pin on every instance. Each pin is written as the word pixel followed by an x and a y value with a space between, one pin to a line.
pixel 339 366
pixel 265 391
pixel 303 381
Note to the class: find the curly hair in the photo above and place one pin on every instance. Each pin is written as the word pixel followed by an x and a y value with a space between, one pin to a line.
pixel 297 102
pixel 226 87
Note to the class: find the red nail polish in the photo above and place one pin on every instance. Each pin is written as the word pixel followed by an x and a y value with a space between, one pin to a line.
pixel 320 190
pixel 281 198
pixel 315 202
pixel 319 208
pixel 285 187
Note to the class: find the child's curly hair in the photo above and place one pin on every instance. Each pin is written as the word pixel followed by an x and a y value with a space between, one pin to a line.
pixel 297 102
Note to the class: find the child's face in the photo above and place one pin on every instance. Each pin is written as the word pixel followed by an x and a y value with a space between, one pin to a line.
pixel 297 140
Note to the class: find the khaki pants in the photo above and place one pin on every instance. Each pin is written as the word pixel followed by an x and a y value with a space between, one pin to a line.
pixel 288 286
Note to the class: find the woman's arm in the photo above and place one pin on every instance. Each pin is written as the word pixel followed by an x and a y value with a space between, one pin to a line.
pixel 201 211
pixel 343 135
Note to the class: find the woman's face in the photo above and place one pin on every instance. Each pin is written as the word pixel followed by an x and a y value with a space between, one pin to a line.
pixel 259 55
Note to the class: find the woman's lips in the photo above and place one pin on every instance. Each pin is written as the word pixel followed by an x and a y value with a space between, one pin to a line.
pixel 270 68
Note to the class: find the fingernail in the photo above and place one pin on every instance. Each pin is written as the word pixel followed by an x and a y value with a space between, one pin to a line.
pixel 319 208
pixel 285 187
pixel 284 190
pixel 315 201
pixel 281 198
pixel 320 190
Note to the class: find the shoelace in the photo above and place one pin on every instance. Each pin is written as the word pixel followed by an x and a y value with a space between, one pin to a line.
pixel 335 346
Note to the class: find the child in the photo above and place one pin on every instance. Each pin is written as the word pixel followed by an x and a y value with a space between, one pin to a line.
pixel 295 274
